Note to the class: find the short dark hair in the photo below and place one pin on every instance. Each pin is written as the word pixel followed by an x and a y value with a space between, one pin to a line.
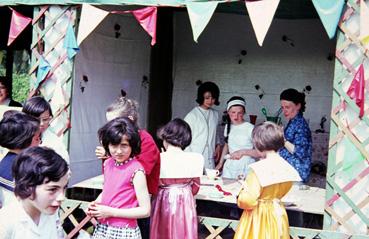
pixel 17 130
pixel 207 87
pixel 177 133
pixel 35 166
pixel 294 96
pixel 5 82
pixel 113 132
pixel 267 136
pixel 36 105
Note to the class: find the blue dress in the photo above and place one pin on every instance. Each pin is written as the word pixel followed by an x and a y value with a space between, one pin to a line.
pixel 6 177
pixel 298 133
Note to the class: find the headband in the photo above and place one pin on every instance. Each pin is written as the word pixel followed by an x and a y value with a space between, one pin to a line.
pixel 236 102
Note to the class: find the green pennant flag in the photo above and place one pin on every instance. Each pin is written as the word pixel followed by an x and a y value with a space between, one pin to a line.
pixel 200 14
pixel 352 156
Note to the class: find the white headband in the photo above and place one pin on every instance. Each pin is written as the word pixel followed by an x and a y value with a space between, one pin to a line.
pixel 236 102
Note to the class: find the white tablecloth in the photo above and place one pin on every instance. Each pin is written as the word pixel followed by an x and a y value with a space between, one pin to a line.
pixel 310 200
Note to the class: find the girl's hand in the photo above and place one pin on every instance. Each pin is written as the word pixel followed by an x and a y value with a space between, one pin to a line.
pixel 217 153
pixel 99 211
pixel 100 152
pixel 236 155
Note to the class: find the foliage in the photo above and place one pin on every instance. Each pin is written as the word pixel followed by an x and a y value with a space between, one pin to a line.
pixel 20 87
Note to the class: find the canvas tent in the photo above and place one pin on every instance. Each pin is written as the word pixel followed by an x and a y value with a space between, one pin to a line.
pixel 346 208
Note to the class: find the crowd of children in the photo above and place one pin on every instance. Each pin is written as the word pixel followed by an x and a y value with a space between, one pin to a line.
pixel 33 178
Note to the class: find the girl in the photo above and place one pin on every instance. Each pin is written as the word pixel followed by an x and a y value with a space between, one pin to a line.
pixel 174 214
pixel 271 178
pixel 124 197
pixel 41 178
pixel 38 107
pixel 203 120
pixel 238 140
pixel 17 132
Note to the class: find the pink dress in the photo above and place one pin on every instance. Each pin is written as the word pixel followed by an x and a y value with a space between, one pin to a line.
pixel 174 213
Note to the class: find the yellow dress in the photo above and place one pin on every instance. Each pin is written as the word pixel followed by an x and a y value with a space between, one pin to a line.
pixel 264 215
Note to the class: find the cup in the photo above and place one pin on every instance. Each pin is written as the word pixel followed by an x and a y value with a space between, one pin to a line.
pixel 253 119
pixel 211 173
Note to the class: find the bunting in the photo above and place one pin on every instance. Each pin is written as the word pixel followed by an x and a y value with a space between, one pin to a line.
pixel 364 24
pixel 17 25
pixel 70 42
pixel 90 19
pixel 200 14
pixel 329 13
pixel 146 17
pixel 356 89
pixel 261 15
pixel 42 71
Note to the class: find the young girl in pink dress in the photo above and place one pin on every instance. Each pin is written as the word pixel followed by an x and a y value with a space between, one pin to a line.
pixel 174 213
pixel 124 197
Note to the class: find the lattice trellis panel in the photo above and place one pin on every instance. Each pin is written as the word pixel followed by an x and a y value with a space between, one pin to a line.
pixel 347 198
pixel 49 31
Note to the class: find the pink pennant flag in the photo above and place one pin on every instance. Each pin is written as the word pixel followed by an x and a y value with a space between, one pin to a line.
pixel 356 89
pixel 147 18
pixel 17 25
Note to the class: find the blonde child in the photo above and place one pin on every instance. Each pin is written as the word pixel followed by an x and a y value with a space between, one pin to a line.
pixel 271 178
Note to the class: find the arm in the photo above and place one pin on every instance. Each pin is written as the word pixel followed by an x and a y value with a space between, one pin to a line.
pixel 142 211
pixel 246 152
pixel 221 161
pixel 150 154
pixel 249 195
pixel 195 186
pixel 100 152
pixel 300 147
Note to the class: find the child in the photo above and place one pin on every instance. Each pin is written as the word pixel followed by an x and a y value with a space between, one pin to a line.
pixel 17 132
pixel 174 214
pixel 238 140
pixel 271 178
pixel 203 120
pixel 38 107
pixel 41 178
pixel 124 197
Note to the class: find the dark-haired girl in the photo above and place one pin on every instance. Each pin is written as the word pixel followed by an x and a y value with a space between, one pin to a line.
pixel 203 120
pixel 124 197
pixel 18 131
pixel 297 149
pixel 174 212
pixel 41 178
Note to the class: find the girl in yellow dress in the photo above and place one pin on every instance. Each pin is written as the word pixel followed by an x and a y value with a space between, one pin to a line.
pixel 271 178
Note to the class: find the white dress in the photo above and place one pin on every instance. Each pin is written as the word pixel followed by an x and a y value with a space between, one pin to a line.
pixel 238 138
pixel 203 125
pixel 51 140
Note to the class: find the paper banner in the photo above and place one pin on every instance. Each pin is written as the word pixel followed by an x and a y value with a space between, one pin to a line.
pixel 42 71
pixel 351 158
pixel 70 42
pixel 356 89
pixel 147 18
pixel 261 15
pixel 90 19
pixel 200 14
pixel 17 25
pixel 364 24
pixel 329 12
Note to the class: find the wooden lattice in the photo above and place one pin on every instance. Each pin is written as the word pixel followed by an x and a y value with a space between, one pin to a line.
pixel 50 24
pixel 347 200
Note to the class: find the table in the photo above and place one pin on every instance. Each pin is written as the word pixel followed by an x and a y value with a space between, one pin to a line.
pixel 308 201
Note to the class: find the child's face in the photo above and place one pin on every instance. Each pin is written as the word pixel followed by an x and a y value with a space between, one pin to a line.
pixel 236 114
pixel 121 152
pixel 45 118
pixel 36 139
pixel 49 196
pixel 208 100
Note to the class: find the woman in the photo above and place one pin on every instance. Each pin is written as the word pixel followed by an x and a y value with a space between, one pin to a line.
pixel 38 107
pixel 174 212
pixel 5 98
pixel 203 120
pixel 297 148
pixel 238 140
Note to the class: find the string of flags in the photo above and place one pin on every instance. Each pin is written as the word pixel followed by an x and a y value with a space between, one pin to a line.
pixel 261 15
